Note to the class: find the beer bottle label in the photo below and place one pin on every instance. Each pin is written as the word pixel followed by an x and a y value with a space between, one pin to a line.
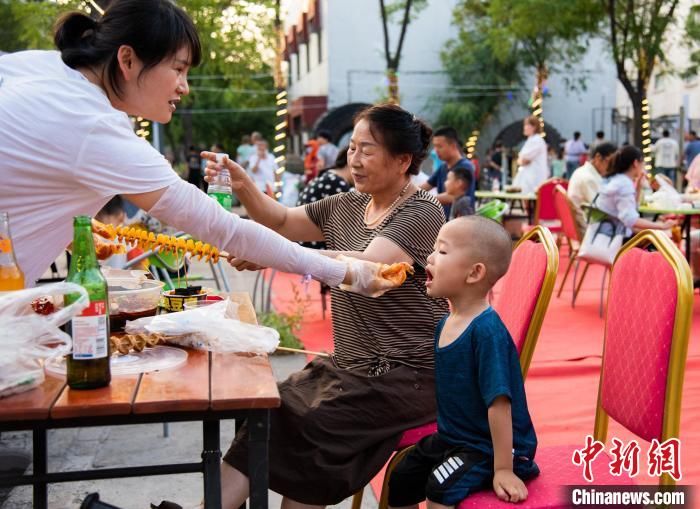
pixel 5 245
pixel 90 332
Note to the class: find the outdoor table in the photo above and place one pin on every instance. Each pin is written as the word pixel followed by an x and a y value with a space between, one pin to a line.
pixel 687 220
pixel 208 388
pixel 528 198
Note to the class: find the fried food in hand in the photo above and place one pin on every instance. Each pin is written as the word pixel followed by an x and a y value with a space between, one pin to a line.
pixel 396 272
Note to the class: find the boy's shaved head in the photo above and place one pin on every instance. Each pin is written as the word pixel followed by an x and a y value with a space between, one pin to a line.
pixel 488 242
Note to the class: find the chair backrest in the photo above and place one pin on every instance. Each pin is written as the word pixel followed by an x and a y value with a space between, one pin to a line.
pixel 650 301
pixel 544 208
pixel 566 214
pixel 521 297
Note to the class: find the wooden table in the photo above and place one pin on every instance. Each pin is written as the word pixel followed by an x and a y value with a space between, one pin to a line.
pixel 208 388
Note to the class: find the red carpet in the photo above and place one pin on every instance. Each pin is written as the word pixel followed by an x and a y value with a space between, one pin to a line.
pixel 562 384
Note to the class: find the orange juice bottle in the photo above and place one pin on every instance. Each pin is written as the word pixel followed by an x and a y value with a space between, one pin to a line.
pixel 11 276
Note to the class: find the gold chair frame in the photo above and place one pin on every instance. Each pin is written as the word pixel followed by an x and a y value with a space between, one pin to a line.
pixel 679 340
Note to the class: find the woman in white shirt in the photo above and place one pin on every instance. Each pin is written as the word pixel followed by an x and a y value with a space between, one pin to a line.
pixel 532 159
pixel 619 192
pixel 68 146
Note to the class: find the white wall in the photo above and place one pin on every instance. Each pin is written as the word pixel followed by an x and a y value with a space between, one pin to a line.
pixel 357 65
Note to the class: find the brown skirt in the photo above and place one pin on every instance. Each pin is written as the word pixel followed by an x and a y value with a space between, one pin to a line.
pixel 336 428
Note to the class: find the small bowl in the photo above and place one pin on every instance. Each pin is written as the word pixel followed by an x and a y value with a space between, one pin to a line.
pixel 129 300
pixel 208 301
pixel 173 303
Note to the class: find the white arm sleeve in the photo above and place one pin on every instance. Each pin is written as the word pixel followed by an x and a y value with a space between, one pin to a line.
pixel 188 209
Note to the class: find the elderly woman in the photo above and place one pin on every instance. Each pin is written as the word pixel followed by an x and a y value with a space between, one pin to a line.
pixel 342 417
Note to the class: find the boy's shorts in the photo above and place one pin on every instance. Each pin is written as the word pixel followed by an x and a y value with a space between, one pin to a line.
pixel 443 473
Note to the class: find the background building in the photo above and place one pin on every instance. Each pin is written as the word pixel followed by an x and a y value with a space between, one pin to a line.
pixel 336 65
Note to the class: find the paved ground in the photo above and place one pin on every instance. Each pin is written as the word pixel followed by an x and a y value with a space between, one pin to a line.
pixel 120 446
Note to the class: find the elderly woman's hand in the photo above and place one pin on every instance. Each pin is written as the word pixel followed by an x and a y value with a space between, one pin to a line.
pixel 370 279
pixel 239 177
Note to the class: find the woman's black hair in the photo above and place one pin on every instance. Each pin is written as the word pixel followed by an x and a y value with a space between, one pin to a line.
pixel 399 131
pixel 155 29
pixel 623 159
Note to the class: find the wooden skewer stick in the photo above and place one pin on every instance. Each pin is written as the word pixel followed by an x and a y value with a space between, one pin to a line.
pixel 297 350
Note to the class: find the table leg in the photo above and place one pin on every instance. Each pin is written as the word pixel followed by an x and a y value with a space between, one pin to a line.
pixel 211 457
pixel 258 457
pixel 39 468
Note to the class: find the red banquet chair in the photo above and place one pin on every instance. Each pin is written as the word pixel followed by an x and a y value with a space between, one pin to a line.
pixel 641 379
pixel 567 216
pixel 520 298
pixel 545 210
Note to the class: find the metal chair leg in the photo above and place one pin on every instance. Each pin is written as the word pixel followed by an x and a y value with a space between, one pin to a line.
pixel 224 279
pixel 357 499
pixel 395 460
pixel 572 257
pixel 580 284
pixel 215 275
pixel 602 293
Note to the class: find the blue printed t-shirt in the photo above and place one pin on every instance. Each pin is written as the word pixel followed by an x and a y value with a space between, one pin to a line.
pixel 437 180
pixel 470 373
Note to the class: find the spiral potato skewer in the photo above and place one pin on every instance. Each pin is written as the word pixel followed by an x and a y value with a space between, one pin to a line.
pixel 167 243
pixel 164 243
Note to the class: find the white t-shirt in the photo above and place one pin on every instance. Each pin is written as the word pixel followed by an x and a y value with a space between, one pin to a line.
pixel 266 170
pixel 666 153
pixel 64 151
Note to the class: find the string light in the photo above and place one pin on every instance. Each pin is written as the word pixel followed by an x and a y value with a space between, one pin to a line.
pixel 470 145
pixel 646 134
pixel 280 140
pixel 142 127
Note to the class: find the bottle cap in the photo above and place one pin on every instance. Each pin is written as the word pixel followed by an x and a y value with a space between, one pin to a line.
pixel 220 157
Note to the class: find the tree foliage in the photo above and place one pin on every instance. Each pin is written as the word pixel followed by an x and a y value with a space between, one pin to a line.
pixel 478 80
pixel 231 92
pixel 541 33
pixel 500 39
pixel 638 31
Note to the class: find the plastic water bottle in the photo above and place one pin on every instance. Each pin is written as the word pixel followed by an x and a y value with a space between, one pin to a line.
pixel 495 185
pixel 220 189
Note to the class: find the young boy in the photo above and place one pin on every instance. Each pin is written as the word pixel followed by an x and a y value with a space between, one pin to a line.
pixel 457 185
pixel 485 435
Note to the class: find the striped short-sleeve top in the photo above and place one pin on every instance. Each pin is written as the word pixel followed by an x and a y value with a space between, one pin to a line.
pixel 398 327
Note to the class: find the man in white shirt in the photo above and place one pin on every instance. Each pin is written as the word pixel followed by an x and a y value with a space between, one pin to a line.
pixel 262 167
pixel 666 153
pixel 585 181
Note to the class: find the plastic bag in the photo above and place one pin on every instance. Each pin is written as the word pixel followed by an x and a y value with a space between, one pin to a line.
pixel 26 338
pixel 213 327
pixel 666 198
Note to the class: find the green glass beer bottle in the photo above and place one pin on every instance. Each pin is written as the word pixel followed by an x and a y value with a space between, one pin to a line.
pixel 88 363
